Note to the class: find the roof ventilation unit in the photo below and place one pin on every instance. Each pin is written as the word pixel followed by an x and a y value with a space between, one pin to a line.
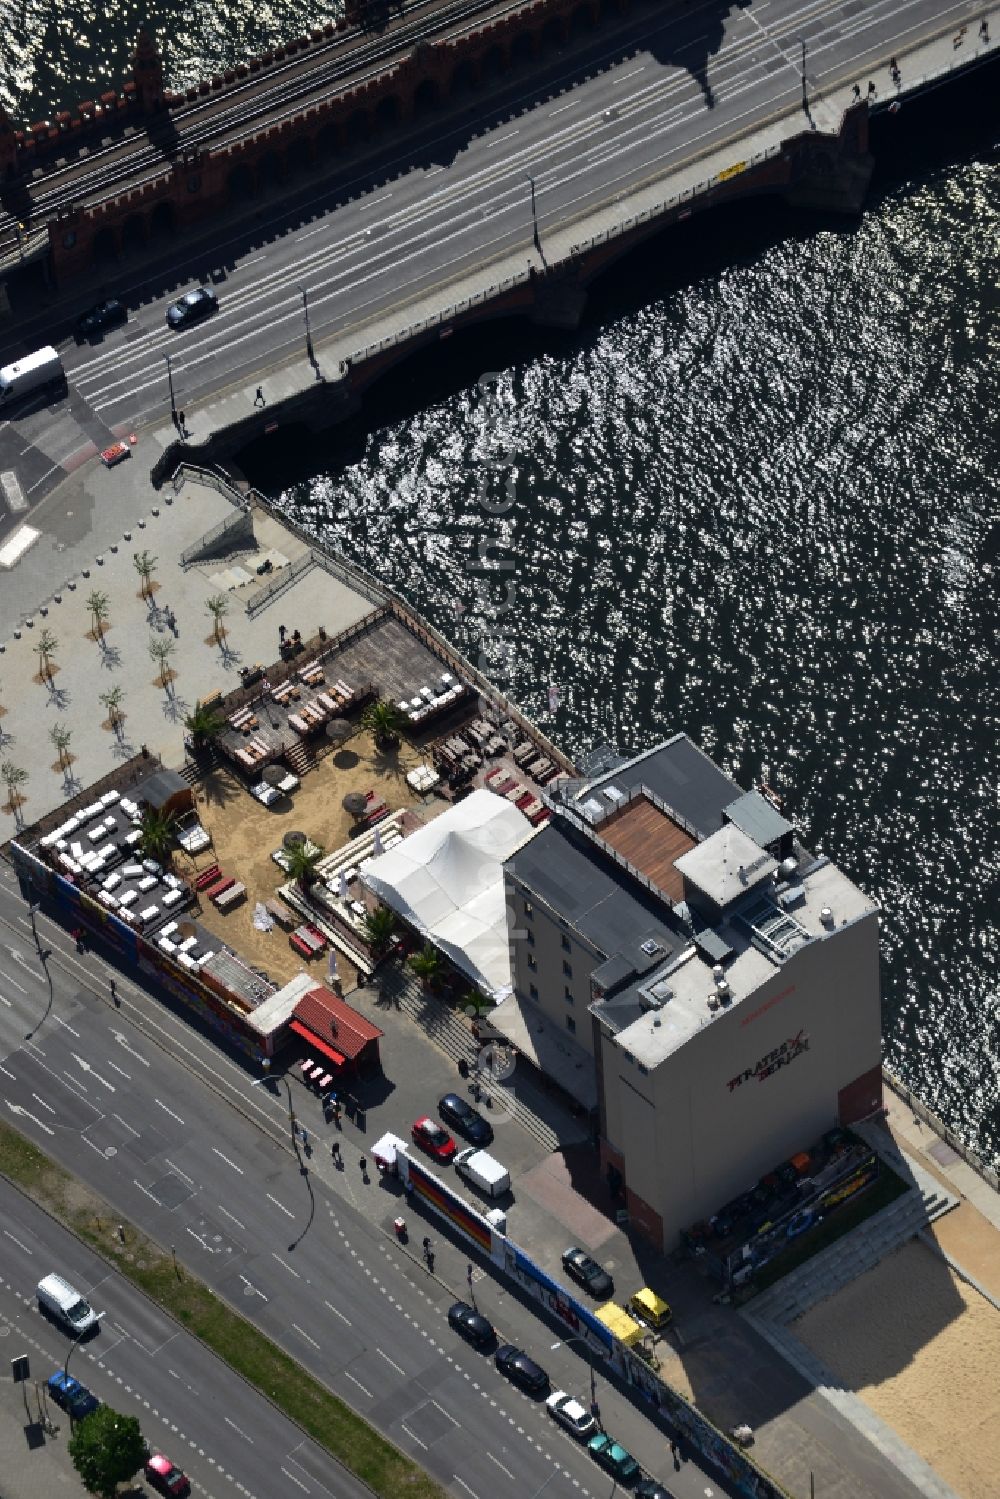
pixel 826 917
pixel 724 991
pixel 718 973
pixel 789 868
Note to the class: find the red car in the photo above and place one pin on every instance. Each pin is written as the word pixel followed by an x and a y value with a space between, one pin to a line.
pixel 429 1135
pixel 165 1478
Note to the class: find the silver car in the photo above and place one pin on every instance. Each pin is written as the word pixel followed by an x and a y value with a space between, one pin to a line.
pixel 568 1411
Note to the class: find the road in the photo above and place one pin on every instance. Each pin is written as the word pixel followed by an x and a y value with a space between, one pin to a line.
pixel 449 204
pixel 180 1141
pixel 190 1404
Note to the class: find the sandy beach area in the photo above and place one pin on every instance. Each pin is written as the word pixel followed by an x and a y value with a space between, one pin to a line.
pixel 922 1349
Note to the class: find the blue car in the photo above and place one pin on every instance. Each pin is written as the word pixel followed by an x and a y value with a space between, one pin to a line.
pixel 71 1396
pixel 613 1456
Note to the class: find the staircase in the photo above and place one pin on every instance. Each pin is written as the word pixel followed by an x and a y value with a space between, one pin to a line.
pixel 300 758
pixel 194 772
pixel 453 1038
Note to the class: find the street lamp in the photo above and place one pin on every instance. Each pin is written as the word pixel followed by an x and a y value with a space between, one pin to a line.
pixel 805 94
pixel 534 210
pixel 305 310
pixel 170 380
pixel 575 1338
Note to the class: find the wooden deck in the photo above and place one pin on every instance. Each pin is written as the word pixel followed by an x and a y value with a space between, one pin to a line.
pixel 651 841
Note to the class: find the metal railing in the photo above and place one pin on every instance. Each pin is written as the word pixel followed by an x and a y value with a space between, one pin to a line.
pixel 204 544
pixel 921 1111
pixel 286 577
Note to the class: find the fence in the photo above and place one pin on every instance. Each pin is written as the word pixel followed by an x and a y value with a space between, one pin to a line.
pixel 232 526
pixel 989 1176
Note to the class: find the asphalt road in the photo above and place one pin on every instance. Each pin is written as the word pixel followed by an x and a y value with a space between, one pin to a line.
pixel 176 1136
pixel 453 202
pixel 190 1405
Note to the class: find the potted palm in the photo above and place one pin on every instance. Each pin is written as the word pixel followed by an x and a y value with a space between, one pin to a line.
pixel 384 722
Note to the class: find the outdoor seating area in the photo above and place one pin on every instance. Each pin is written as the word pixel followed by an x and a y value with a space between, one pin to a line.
pixel 269 727
pixel 429 701
pixel 500 781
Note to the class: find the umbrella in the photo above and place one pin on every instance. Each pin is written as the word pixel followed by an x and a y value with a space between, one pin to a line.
pixel 343 884
pixel 338 729
pixel 293 839
pixel 377 848
pixel 273 775
pixel 355 803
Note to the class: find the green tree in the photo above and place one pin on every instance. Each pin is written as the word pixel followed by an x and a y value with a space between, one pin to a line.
pixel 302 861
pixel 379 926
pixel 161 648
pixel 98 604
pixel 204 724
pixel 428 965
pixel 157 829
pixel 107 1449
pixel 218 607
pixel 61 736
pixel 144 564
pixel 46 645
pixel 384 722
pixel 14 777
pixel 112 700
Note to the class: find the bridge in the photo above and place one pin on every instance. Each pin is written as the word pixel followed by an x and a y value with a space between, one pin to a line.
pixel 451 211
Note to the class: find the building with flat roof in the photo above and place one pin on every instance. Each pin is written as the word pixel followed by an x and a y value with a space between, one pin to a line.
pixel 682 964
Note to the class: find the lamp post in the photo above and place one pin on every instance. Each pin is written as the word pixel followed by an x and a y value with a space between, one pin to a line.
pixel 170 381
pixel 534 209
pixel 305 310
pixel 805 93
pixel 595 1410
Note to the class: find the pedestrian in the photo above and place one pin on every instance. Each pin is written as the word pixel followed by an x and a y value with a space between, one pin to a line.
pixel 114 994
pixel 258 399
pixel 282 632
pixel 893 69
pixel 180 421
pixel 984 29
pixel 335 1150
pixel 857 91
pixel 959 36
pixel 871 88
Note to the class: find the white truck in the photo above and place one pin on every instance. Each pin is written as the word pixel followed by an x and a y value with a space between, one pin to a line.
pixel 482 1172
pixel 38 371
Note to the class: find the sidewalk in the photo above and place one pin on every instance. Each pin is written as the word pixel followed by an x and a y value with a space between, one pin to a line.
pixel 31 1463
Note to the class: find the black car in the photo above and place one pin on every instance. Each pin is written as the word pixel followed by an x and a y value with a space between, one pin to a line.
pixel 105 315
pixel 648 1488
pixel 463 1117
pixel 472 1325
pixel 521 1370
pixel 192 307
pixel 587 1273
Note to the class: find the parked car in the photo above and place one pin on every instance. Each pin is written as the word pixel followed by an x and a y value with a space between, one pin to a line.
pixel 570 1413
pixel 165 1477
pixel 192 307
pixel 587 1273
pixel 521 1370
pixel 429 1135
pixel 70 1395
pixel 648 1488
pixel 613 1456
pixel 465 1119
pixel 99 319
pixel 472 1325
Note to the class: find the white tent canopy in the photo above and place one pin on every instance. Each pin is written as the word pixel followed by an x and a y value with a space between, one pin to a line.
pixel 446 881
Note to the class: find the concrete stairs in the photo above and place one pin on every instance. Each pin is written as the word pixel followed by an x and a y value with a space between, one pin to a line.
pixel 452 1037
pixel 300 758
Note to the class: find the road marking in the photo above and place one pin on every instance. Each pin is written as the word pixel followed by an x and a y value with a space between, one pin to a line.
pixel 465 1486
pixel 119 1036
pixel 228 1161
pixel 126 1125
pixel 148 1193
pixel 230 1216
pixel 563 107
pixel 280 1205
pixel 17 1241
pixel 391 1361
pixel 82 1062
pixel 500 139
pixel 335 1312
pixel 413 1436
pixel 441 1408
pixel 286 1265
pixel 8 1074
pixel 43 1103
pixel 8 1002
pixel 80 1087
pixel 500 1466
pixel 168 1111
pixel 15 1108
pixel 120 1070
pixel 66 1027
pixel 188 1229
pixel 179 1172
pixel 360 1386
pixel 305 1335
pixel 295 1480
pixel 253 1288
pixel 237 1430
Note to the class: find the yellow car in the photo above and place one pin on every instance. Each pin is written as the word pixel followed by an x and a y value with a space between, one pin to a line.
pixel 650 1309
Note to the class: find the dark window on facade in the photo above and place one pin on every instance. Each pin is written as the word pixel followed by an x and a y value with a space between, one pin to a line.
pixel 532 965
pixel 529 910
pixel 567 971
pixel 533 991
pixel 567 945
pixel 567 996
pixel 570 1023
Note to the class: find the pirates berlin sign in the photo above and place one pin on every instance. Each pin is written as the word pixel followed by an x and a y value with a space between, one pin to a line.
pixel 780 1057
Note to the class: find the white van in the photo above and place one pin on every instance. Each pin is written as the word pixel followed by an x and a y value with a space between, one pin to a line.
pixel 35 371
pixel 59 1299
pixel 485 1173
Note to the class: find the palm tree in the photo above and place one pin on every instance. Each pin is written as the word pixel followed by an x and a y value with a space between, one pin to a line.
pixel 204 724
pixel 427 964
pixel 379 926
pixel 61 737
pixel 218 608
pixel 112 700
pixel 98 603
pixel 157 829
pixel 383 721
pixel 144 564
pixel 14 778
pixel 302 861
pixel 46 645
pixel 161 648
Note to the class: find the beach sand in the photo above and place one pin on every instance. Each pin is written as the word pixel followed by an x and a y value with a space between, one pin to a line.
pixel 922 1349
